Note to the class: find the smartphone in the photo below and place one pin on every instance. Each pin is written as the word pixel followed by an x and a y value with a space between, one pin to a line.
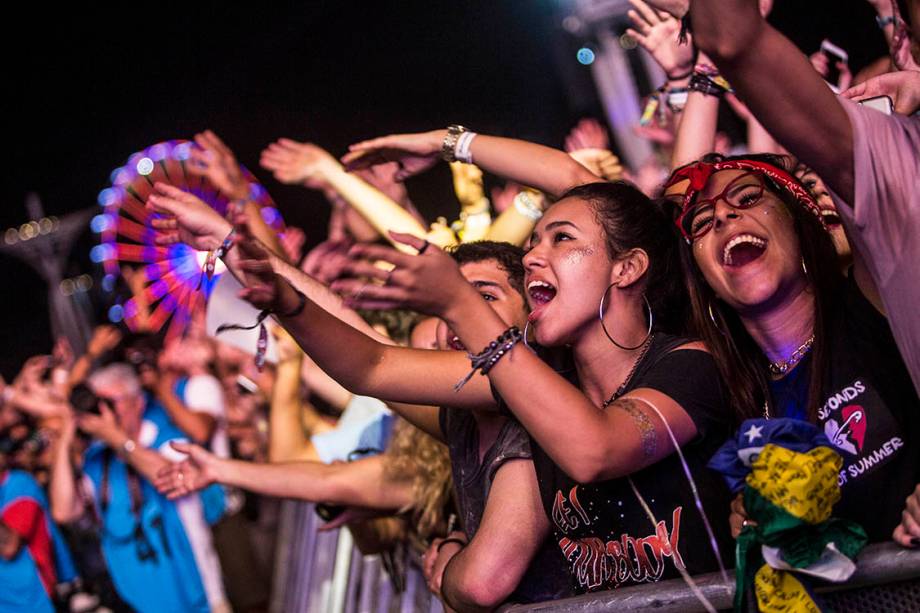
pixel 834 55
pixel 879 103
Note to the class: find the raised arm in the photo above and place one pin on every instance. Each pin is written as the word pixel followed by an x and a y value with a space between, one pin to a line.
pixel 779 86
pixel 66 505
pixel 539 397
pixel 294 162
pixel 195 223
pixel 546 169
pixel 363 365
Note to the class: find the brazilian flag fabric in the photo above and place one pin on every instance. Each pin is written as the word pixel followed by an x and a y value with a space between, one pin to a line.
pixel 787 471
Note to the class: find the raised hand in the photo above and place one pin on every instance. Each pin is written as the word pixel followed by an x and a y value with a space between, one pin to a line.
pixel 214 160
pixel 63 353
pixel 601 162
pixel 658 31
pixel 199 470
pixel 263 289
pixel 288 349
pixel 292 241
pixel 467 184
pixel 292 162
pixel 415 153
pixel 103 426
pixel 903 87
pixel 429 282
pixel 503 197
pixel 188 219
pixel 587 134
pixel 105 338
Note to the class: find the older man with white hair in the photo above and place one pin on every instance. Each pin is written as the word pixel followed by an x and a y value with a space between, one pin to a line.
pixel 145 538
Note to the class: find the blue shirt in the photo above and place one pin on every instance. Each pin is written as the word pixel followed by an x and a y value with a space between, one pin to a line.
pixel 167 578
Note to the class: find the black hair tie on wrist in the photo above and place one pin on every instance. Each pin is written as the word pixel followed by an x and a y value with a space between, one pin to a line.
pixel 262 343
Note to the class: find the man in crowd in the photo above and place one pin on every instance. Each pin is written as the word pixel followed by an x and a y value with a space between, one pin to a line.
pixel 144 536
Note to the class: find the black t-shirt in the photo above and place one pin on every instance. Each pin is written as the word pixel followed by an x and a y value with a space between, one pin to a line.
pixel 870 413
pixel 543 579
pixel 606 538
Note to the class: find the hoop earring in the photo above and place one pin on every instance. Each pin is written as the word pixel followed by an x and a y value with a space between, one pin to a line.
pixel 526 328
pixel 600 315
pixel 804 268
pixel 712 317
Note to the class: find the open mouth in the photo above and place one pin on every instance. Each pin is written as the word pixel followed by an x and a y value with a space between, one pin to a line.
pixel 454 343
pixel 742 250
pixel 540 293
pixel 830 217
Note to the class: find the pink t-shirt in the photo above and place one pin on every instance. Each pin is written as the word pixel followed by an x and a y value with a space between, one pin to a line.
pixel 883 222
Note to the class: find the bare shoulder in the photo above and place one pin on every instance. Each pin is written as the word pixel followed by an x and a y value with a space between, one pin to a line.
pixel 693 345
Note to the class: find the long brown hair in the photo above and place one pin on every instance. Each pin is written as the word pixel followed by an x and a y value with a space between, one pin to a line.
pixel 740 360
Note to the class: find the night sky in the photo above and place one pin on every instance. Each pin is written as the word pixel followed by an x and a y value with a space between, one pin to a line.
pixel 88 87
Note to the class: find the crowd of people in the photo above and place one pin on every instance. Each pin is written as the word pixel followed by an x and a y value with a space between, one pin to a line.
pixel 528 398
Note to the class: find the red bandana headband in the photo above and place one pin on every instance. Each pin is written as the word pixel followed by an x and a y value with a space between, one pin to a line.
pixel 698 174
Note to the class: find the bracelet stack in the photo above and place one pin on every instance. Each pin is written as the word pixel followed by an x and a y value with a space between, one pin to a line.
pixel 456 145
pixel 486 359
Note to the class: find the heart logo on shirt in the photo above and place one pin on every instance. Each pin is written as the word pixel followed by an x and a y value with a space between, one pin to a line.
pixel 854 418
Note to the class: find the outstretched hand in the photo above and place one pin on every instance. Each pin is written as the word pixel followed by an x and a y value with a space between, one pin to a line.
pixel 292 162
pixel 195 473
pixel 428 282
pixel 263 289
pixel 658 31
pixel 214 160
pixel 415 153
pixel 188 219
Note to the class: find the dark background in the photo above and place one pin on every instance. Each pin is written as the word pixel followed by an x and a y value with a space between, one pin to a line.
pixel 88 87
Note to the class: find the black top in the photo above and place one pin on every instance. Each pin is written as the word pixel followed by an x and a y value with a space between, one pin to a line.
pixel 543 579
pixel 603 532
pixel 869 411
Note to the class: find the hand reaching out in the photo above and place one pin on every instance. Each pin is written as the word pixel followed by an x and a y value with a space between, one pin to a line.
pixel 194 473
pixel 214 160
pixel 467 183
pixel 657 32
pixel 292 162
pixel 503 197
pixel 821 64
pixel 189 220
pixel 292 241
pixel 415 153
pixel 429 282
pixel 63 353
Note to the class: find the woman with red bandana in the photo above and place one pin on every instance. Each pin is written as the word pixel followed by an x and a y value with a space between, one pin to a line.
pixel 792 336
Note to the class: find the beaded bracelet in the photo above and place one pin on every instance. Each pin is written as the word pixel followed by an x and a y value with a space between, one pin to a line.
pixel 486 359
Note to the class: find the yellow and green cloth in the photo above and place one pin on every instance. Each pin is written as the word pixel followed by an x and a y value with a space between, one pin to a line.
pixel 788 473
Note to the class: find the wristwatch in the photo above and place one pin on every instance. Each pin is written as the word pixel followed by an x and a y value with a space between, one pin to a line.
pixel 449 145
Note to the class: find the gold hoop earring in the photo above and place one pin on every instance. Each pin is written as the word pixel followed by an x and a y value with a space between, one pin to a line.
pixel 600 315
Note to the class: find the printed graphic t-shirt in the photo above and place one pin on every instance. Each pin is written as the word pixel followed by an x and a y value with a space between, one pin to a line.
pixel 605 536
pixel 870 413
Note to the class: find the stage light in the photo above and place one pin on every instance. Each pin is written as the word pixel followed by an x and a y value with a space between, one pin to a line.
pixel 585 56
pixel 144 166
pixel 11 236
pixel 108 283
pixel 100 223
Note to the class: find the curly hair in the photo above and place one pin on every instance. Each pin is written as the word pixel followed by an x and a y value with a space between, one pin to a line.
pixel 413 454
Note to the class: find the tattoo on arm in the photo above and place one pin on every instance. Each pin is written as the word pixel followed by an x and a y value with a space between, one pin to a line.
pixel 643 424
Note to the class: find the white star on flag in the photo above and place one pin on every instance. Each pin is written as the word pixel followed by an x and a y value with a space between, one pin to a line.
pixel 753 432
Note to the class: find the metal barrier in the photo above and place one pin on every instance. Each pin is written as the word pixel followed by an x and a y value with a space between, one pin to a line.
pixel 887 579
pixel 323 572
